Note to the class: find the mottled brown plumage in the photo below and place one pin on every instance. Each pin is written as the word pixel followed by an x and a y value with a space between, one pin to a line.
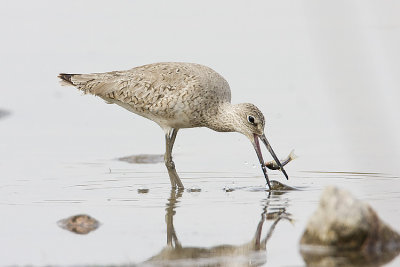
pixel 175 95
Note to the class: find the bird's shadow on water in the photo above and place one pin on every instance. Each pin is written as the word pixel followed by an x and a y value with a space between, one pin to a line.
pixel 252 253
pixel 143 159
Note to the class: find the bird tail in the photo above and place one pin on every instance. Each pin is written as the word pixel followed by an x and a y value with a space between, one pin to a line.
pixel 66 79
pixel 93 83
pixel 80 81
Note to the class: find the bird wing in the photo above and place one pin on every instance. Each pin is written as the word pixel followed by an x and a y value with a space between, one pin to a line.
pixel 157 80
pixel 156 87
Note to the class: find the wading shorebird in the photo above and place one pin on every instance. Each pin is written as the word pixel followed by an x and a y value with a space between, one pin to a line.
pixel 175 96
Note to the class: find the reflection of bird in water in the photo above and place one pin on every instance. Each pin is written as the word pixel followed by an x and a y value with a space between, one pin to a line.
pixel 175 96
pixel 223 255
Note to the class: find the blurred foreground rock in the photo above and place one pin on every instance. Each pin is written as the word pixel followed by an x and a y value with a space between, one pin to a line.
pixel 347 232
pixel 79 224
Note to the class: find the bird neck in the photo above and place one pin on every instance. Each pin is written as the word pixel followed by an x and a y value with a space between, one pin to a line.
pixel 223 119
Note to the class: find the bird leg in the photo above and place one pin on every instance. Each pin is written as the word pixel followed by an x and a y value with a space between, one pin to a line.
pixel 169 163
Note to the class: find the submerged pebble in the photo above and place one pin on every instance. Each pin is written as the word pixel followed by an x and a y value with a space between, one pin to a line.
pixel 194 189
pixel 228 189
pixel 143 190
pixel 79 224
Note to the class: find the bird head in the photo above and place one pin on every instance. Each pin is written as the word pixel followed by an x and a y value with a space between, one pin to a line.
pixel 250 121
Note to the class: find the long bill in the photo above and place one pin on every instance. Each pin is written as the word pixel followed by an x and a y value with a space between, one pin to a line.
pixel 266 143
pixel 257 148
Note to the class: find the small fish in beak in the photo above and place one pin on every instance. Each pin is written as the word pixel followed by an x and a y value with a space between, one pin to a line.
pixel 272 165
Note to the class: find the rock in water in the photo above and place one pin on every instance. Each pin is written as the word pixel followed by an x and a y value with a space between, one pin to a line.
pixel 278 186
pixel 79 224
pixel 346 227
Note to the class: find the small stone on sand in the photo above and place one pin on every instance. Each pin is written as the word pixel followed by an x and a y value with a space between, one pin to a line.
pixel 143 190
pixel 80 224
pixel 194 189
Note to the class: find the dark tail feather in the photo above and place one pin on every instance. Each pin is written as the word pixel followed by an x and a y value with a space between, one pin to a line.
pixel 66 78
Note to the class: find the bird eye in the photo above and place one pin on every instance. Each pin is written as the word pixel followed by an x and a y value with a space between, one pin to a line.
pixel 250 119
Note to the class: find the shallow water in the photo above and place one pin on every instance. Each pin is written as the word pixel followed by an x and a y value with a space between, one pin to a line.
pixel 327 85
pixel 134 226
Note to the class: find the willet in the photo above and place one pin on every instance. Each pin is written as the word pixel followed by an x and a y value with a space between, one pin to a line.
pixel 175 96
